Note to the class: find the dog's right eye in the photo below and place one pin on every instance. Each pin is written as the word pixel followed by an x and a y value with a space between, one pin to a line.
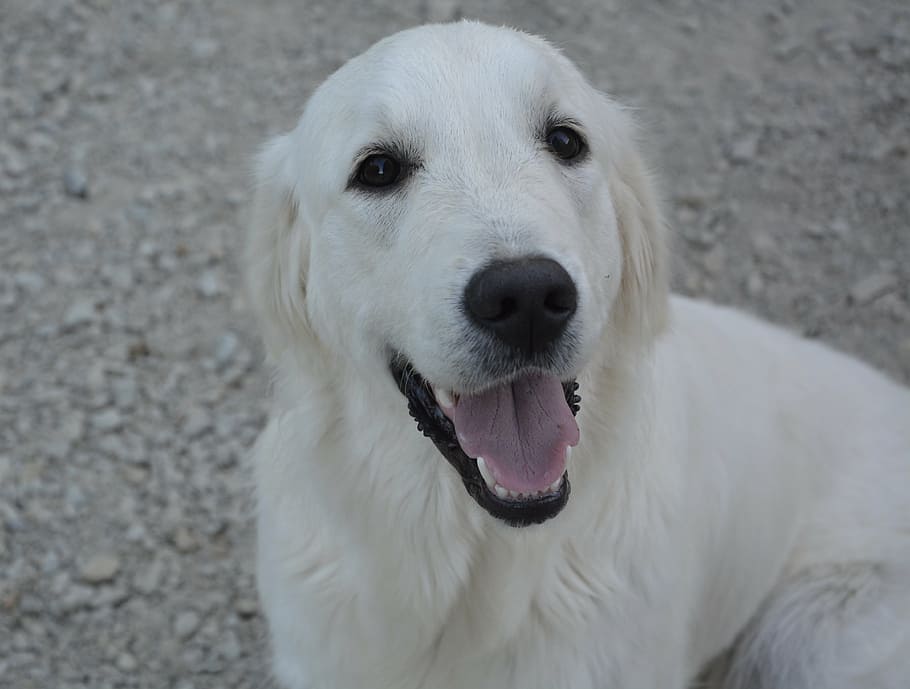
pixel 379 170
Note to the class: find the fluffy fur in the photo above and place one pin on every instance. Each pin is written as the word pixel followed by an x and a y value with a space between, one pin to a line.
pixel 736 489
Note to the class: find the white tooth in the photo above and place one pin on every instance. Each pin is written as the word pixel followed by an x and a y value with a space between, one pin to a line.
pixel 500 491
pixel 568 452
pixel 444 398
pixel 555 485
pixel 514 494
pixel 485 472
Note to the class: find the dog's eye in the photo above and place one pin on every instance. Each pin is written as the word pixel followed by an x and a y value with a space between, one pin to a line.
pixel 379 170
pixel 565 143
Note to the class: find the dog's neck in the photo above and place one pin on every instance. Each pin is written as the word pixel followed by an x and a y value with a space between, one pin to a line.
pixel 399 504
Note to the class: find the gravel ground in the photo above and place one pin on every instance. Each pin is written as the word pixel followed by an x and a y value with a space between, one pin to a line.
pixel 130 376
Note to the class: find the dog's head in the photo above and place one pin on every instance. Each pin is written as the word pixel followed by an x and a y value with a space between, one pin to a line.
pixel 460 208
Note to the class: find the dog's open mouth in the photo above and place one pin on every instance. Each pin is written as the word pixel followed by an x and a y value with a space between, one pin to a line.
pixel 510 443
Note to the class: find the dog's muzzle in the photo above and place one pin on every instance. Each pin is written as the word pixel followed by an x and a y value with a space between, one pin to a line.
pixel 520 490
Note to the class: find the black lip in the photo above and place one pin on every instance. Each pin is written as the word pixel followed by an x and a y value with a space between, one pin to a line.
pixel 439 428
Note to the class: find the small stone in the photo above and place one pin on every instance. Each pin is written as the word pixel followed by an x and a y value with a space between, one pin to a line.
pixel 100 568
pixel 29 281
pixel 31 605
pixel 127 447
pixel 229 648
pixel 442 10
pixel 903 351
pixel 70 427
pixel 186 624
pixel 840 227
pixel 75 183
pixel 124 390
pixel 107 420
pixel 120 277
pixel 204 48
pixel 78 314
pixel 225 349
pixel 871 288
pixel 184 540
pixel 74 598
pixel 50 563
pixel 148 249
pixel 816 231
pixel 137 475
pixel 138 350
pixel 764 243
pixel 197 422
pixel 126 662
pixel 246 607
pixel 12 162
pixel 207 285
pixel 690 24
pixel 149 579
pixel 754 284
pixel 744 149
pixel 715 260
pixel 111 596
pixel 167 263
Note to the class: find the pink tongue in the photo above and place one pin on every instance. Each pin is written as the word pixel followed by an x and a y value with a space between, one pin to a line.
pixel 521 429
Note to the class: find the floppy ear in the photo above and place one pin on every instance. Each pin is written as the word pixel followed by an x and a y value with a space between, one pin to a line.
pixel 277 250
pixel 643 299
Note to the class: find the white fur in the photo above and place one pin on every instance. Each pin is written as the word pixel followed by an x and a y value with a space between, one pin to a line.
pixel 734 485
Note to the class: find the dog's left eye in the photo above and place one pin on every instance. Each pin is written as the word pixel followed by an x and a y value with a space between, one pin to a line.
pixel 379 170
pixel 565 143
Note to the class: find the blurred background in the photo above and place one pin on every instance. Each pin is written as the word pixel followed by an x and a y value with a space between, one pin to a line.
pixel 131 382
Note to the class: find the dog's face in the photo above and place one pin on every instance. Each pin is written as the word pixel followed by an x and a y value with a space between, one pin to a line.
pixel 461 210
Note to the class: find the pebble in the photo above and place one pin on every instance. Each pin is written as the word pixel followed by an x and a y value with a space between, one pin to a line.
pixel 29 281
pixel 208 285
pixel 246 607
pixel 100 568
pixel 149 579
pixel 148 249
pixel 715 261
pixel 75 182
pixel 229 647
pixel 225 349
pixel 120 277
pixel 871 287
pixel 124 391
pixel 79 313
pixel 744 149
pixel 755 284
pixel 442 10
pixel 126 662
pixel 764 243
pixel 12 162
pixel 50 563
pixel 185 540
pixel 124 447
pixel 185 624
pixel 839 227
pixel 197 422
pixel 204 48
pixel 903 350
pixel 107 420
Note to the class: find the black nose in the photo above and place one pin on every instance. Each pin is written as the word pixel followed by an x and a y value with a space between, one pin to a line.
pixel 525 303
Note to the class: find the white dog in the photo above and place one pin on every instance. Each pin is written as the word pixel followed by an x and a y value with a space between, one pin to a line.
pixel 460 227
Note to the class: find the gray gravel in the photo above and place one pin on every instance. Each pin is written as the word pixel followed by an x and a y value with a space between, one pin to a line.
pixel 130 376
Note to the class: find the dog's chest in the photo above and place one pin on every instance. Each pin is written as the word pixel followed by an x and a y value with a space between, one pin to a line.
pixel 535 615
